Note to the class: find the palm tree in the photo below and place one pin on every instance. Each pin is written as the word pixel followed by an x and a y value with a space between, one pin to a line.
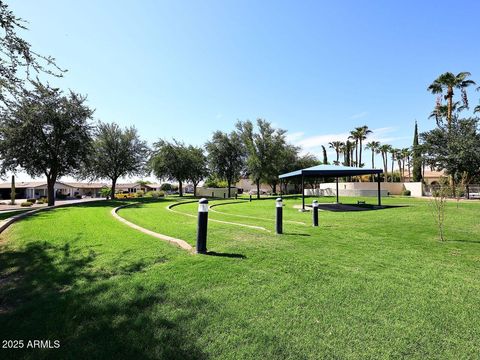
pixel 373 146
pixel 405 154
pixel 364 131
pixel 440 112
pixel 355 136
pixel 394 155
pixel 385 150
pixel 445 84
pixel 337 146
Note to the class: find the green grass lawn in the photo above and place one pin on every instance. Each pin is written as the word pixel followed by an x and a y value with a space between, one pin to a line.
pixel 364 284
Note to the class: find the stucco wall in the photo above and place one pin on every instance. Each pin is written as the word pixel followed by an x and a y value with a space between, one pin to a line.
pixel 366 189
pixel 217 192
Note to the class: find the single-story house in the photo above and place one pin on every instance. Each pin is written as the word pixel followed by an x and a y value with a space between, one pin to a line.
pixel 38 189
pixel 134 187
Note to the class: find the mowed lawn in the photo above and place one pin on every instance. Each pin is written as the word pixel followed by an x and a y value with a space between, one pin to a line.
pixel 364 284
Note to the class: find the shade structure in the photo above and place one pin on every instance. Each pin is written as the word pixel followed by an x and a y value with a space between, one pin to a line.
pixel 335 171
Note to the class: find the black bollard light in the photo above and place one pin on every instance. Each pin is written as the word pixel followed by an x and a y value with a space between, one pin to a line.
pixel 315 212
pixel 224 195
pixel 279 217
pixel 202 226
pixel 250 197
pixel 236 196
pixel 213 194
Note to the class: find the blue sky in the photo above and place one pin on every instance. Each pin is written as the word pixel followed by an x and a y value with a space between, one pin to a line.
pixel 182 69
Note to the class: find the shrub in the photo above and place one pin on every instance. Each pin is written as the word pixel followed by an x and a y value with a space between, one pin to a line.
pixel 166 187
pixel 26 203
pixel 105 192
pixel 42 200
pixel 78 196
pixel 155 194
pixel 33 201
pixel 406 193
pixel 61 196
pixel 139 193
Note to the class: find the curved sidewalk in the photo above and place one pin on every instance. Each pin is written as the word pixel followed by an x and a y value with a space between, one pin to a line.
pixel 179 242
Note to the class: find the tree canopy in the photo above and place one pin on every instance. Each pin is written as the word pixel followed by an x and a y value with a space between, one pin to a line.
pixel 171 161
pixel 17 59
pixel 454 148
pixel 116 153
pixel 46 133
pixel 226 156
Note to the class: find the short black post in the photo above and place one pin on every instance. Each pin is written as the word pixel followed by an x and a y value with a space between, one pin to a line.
pixel 202 226
pixel 315 212
pixel 224 195
pixel 213 194
pixel 279 217
pixel 236 196
pixel 250 197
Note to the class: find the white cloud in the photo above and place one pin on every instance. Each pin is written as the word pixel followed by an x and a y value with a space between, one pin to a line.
pixel 314 143
pixel 359 115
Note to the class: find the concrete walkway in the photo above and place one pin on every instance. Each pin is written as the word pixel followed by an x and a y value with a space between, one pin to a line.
pixel 179 242
pixel 4 206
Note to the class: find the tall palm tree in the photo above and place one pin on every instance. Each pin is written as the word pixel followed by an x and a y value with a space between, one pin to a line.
pixel 337 146
pixel 355 136
pixel 385 150
pixel 445 84
pixel 373 147
pixel 405 154
pixel 364 131
pixel 394 155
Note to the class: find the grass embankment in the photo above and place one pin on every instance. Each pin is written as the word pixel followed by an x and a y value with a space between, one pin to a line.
pixel 365 284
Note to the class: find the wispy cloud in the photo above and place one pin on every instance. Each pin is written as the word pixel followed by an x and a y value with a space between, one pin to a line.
pixel 359 115
pixel 313 143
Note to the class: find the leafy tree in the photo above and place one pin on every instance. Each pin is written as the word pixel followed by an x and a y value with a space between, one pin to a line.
pixel 264 151
pixel 445 84
pixel 454 148
pixel 226 156
pixel 417 156
pixel 116 153
pixel 197 166
pixel 46 133
pixel 17 59
pixel 171 161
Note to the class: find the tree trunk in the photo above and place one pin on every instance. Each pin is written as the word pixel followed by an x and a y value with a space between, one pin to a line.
pixel 373 164
pixel 393 164
pixel 180 189
pixel 360 155
pixel 51 190
pixel 112 191
pixel 229 183
pixel 258 188
pixel 195 189
pixel 449 104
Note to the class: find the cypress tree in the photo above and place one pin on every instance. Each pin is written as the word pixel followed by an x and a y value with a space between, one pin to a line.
pixel 417 157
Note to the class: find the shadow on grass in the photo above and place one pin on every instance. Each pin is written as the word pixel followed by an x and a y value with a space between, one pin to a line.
pixel 356 207
pixel 295 234
pixel 56 293
pixel 227 255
